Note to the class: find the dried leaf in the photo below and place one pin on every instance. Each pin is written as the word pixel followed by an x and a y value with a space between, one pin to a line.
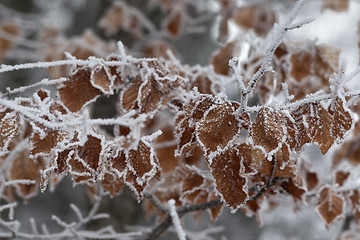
pixel 174 23
pixel 186 121
pixel 336 5
pixel 293 189
pixel 218 127
pixel 9 128
pixel 143 166
pixel 144 95
pixel 260 18
pixel 220 60
pixel 112 184
pixel 267 129
pixel 77 91
pixel 42 146
pixel 158 49
pixel 85 161
pixel 12 30
pixel 121 16
pixel 165 147
pixel 343 119
pixel 341 177
pixel 330 206
pixel 314 124
pixel 312 180
pixel 228 171
pixel 101 79
pixel 23 168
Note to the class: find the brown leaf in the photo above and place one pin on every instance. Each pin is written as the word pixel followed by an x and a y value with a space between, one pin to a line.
pixel 341 177
pixel 11 29
pixel 218 127
pixel 336 5
pixel 312 180
pixel 301 65
pixel 146 96
pixel 189 178
pixel 101 79
pixel 42 146
pixel 165 152
pixel 285 166
pixel 186 121
pixel 260 18
pixel 326 62
pixel 343 119
pixel 158 49
pixel 330 206
pixel 174 23
pixel 25 168
pixel 355 204
pixel 220 59
pixel 293 189
pixel 267 129
pixel 84 164
pixel 112 184
pixel 9 128
pixel 314 124
pixel 142 167
pixel 228 171
pixel 252 157
pixel 77 91
pixel 121 16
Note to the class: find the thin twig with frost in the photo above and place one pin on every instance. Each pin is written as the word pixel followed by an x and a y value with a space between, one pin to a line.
pixel 175 219
pixel 277 36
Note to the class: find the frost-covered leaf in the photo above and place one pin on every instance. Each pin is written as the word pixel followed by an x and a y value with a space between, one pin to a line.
pixel 144 95
pixel 259 17
pixel 342 119
pixel 78 91
pixel 41 146
pixel 186 121
pixel 218 127
pixel 85 161
pixel 267 130
pixel 24 168
pixel 330 206
pixel 143 166
pixel 314 125
pixel 9 128
pixel 285 165
pixel 229 173
pixel 253 157
pixel 112 184
pixel 102 79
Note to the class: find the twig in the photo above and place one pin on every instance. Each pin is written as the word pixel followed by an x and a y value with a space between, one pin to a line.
pixel 181 211
pixel 278 35
pixel 156 202
pixel 269 183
